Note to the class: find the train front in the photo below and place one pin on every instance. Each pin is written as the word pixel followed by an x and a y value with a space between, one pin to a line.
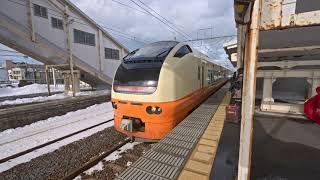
pixel 138 110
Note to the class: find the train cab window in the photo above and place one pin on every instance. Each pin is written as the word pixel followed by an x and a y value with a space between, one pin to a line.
pixel 139 71
pixel 152 52
pixel 183 51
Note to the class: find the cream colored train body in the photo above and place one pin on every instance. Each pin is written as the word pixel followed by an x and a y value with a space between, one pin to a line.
pixel 185 78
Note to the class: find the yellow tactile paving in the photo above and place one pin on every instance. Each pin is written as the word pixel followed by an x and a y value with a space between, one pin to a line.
pixel 187 175
pixel 215 128
pixel 210 132
pixel 206 149
pixel 202 157
pixel 208 142
pixel 198 167
pixel 201 161
pixel 210 137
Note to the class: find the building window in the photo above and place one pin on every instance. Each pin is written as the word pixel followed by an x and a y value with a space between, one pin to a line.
pixel 111 53
pixel 56 23
pixel 82 37
pixel 40 11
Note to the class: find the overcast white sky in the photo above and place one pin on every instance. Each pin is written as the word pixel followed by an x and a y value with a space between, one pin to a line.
pixel 187 15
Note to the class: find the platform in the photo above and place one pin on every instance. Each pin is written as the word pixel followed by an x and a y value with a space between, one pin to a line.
pixel 285 148
pixel 188 151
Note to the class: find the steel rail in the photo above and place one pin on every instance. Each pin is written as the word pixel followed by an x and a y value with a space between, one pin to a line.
pixel 45 130
pixel 95 160
pixel 50 142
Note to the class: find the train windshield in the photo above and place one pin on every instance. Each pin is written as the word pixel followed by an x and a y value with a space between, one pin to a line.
pixel 139 72
pixel 154 50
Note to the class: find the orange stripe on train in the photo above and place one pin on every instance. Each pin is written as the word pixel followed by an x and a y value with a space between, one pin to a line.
pixel 156 126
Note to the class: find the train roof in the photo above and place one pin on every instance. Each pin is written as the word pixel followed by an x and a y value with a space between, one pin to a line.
pixel 196 52
pixel 203 56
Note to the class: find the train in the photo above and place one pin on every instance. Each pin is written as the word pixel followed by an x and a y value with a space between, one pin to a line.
pixel 157 86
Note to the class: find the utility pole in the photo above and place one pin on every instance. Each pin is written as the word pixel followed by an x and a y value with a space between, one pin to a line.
pixel 47 79
pixel 54 77
pixel 69 47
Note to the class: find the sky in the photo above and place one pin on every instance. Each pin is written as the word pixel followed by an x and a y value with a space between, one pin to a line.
pixel 124 18
pixel 189 16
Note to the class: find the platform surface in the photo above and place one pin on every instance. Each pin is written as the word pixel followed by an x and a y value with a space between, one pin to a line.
pixel 285 148
pixel 168 158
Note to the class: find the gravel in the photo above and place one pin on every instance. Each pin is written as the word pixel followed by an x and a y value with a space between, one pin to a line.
pixel 112 168
pixel 63 161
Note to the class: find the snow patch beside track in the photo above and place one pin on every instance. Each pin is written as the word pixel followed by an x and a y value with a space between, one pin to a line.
pixel 16 140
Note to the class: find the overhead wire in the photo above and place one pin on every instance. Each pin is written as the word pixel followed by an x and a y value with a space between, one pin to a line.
pixel 169 26
pixel 117 29
pixel 211 38
pixel 150 14
pixel 130 7
pixel 79 22
pixel 181 32
pixel 173 27
pixel 164 18
pixel 216 41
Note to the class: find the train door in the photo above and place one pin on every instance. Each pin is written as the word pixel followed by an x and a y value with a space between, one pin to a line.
pixel 199 76
pixel 202 76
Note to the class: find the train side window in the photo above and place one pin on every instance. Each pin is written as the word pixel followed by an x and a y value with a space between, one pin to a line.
pixel 198 73
pixel 183 51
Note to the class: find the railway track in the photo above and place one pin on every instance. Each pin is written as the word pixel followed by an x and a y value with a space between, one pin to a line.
pixel 23 115
pixel 95 160
pixel 53 125
pixel 51 142
pixel 110 166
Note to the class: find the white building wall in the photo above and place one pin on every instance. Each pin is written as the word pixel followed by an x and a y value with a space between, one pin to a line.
pixel 15 10
pixel 87 53
pixel 3 74
pixel 43 26
pixel 110 65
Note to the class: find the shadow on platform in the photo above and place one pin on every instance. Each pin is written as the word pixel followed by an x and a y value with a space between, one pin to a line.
pixel 226 161
pixel 283 149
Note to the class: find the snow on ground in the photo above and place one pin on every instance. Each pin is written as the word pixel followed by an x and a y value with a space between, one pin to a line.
pixel 13 141
pixel 29 89
pixel 34 99
pixel 86 93
pixel 49 98
pixel 112 157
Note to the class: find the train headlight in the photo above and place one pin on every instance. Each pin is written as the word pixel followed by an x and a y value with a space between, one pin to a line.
pixel 149 110
pixel 158 110
pixel 153 110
